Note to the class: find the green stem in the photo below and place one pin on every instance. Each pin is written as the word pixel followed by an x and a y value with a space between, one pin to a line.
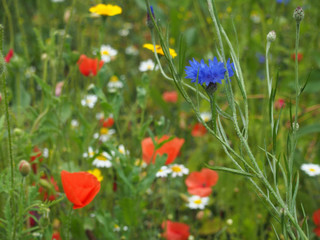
pixel 8 14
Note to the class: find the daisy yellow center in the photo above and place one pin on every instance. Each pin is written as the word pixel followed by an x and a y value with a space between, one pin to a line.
pixel 88 101
pixel 114 79
pixel 104 131
pixel 176 169
pixel 149 67
pixel 312 170
pixel 105 52
pixel 91 153
pixel 102 158
pixel 121 151
pixel 116 226
pixel 206 119
pixel 198 201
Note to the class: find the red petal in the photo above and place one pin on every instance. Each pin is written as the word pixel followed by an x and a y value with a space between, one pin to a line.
pixel 316 217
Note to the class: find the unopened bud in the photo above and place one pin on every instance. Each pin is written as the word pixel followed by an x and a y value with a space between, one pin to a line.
pixel 298 14
pixel 149 20
pixel 24 167
pixel 271 37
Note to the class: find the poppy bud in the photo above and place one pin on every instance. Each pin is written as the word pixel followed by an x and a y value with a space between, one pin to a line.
pixel 298 14
pixel 24 167
pixel 271 37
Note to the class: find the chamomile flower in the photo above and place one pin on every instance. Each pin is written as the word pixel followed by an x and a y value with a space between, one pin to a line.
pixel 123 150
pixel 132 50
pixel 206 116
pixel 74 123
pixel 114 84
pixel 89 100
pixel 97 173
pixel 147 65
pixel 45 152
pixel 100 115
pixel 197 202
pixel 103 160
pixel 104 134
pixel 89 154
pixel 178 170
pixel 163 172
pixel 116 228
pixel 107 53
pixel 311 169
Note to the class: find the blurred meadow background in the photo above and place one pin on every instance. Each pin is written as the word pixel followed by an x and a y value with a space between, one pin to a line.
pixel 84 93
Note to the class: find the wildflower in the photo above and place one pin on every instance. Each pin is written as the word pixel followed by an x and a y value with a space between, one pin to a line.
pixel 146 65
pixel 311 169
pixel 280 103
pixel 123 150
pixel 271 36
pixel 103 160
pixel 298 14
pixel 261 57
pixel 198 130
pixel 89 154
pixel 132 50
pixel 114 84
pixel 125 30
pixel 163 172
pixel 149 21
pixel 9 55
pixel 45 152
pixel 200 183
pixel 171 148
pixel 300 56
pixel 24 168
pixel 199 72
pixel 116 228
pixel 206 116
pixel 97 173
pixel 80 187
pixel 48 188
pixel 89 100
pixel 56 235
pixel 108 122
pixel 104 134
pixel 74 123
pixel 197 202
pixel 159 49
pixel 58 90
pixel 106 10
pixel 316 220
pixel 88 66
pixel 178 170
pixel 175 230
pixel 171 97
pixel 35 156
pixel 283 1
pixel 107 53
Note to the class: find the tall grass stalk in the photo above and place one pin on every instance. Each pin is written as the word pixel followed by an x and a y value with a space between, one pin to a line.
pixel 284 211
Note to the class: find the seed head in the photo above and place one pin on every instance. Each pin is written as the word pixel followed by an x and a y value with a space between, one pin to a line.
pixel 298 14
pixel 24 167
pixel 271 37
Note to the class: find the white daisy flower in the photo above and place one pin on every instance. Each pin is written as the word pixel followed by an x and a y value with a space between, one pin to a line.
pixel 206 116
pixel 89 154
pixel 197 202
pixel 89 101
pixel 99 115
pixel 103 160
pixel 116 228
pixel 74 123
pixel 230 221
pixel 114 84
pixel 104 135
pixel 311 169
pixel 147 65
pixel 123 150
pixel 45 152
pixel 132 50
pixel 107 53
pixel 163 172
pixel 178 170
pixel 123 32
pixel 125 228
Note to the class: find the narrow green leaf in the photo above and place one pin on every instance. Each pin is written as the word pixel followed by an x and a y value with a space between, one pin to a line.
pixel 230 170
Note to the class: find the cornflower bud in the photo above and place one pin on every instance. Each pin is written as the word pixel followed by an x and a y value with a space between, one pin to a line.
pixel 298 14
pixel 271 37
pixel 24 167
pixel 149 20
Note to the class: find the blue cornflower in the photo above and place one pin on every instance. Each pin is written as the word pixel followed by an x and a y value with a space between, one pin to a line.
pixel 283 1
pixel 213 73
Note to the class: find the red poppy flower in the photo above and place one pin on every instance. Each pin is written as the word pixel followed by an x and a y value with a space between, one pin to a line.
pixel 200 183
pixel 170 96
pixel 107 123
pixel 48 188
pixel 170 148
pixel 198 130
pixel 9 56
pixel 80 187
pixel 175 230
pixel 89 66
pixel 300 56
pixel 56 236
pixel 316 220
pixel 280 103
pixel 35 155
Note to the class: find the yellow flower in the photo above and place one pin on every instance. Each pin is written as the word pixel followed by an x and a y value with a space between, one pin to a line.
pixel 106 10
pixel 159 49
pixel 97 173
